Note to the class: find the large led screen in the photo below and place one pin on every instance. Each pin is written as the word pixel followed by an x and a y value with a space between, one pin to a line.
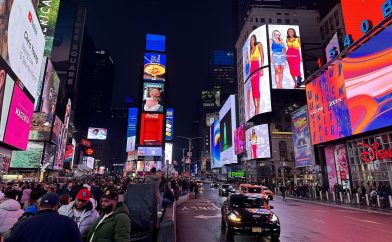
pixel 169 124
pixel 154 67
pixel 50 91
pixel 286 58
pixel 226 132
pixel 257 93
pixel 155 42
pixel 40 128
pixel 239 139
pixel 258 142
pixel 97 133
pixel 168 153
pixel 254 53
pixel 149 151
pixel 131 130
pixel 31 158
pixel 327 106
pixel 153 97
pixel 7 85
pixel 62 141
pixel 215 145
pixel 301 138
pixel 228 122
pixel 333 48
pixel 368 80
pixel 68 156
pixel 151 129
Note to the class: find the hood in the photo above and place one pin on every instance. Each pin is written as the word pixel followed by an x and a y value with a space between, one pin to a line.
pixel 32 209
pixel 10 205
pixel 254 214
pixel 121 208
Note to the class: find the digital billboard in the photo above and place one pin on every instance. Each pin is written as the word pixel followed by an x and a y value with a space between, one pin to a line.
pixel 131 130
pixel 257 94
pixel 301 138
pixel 211 117
pixel 154 67
pixel 68 156
pixel 40 127
pixel 255 54
pixel 153 97
pixel 327 106
pixel 50 91
pixel 169 132
pixel 168 153
pixel 149 151
pixel 62 140
pixel 368 81
pixel 151 129
pixel 97 133
pixel 228 122
pixel 211 98
pixel 6 89
pixel 258 142
pixel 155 42
pixel 56 129
pixel 286 58
pixel 215 144
pixel 239 139
pixel 31 158
pixel 337 166
pixel 333 48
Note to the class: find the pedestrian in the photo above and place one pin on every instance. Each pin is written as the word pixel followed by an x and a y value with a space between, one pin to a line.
pixel 10 210
pixel 81 211
pixel 162 186
pixel 47 225
pixel 283 191
pixel 196 190
pixel 113 224
pixel 155 179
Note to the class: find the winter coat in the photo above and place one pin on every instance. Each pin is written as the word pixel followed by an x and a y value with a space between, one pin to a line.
pixel 46 226
pixel 156 180
pixel 87 219
pixel 25 195
pixel 9 213
pixel 116 227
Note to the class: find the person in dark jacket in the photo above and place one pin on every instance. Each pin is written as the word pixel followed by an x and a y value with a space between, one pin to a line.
pixel 47 225
pixel 114 223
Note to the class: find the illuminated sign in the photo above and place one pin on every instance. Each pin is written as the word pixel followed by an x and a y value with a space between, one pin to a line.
pixel 149 151
pixel 155 42
pixel 151 129
pixel 153 97
pixel 239 173
pixel 169 124
pixel 131 131
pixel 374 152
pixel 154 67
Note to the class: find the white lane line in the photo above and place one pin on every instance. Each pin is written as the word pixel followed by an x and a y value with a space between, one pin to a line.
pixel 317 221
pixel 212 204
pixel 365 221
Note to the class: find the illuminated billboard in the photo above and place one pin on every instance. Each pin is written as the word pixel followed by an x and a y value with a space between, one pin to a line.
pixel 228 122
pixel 154 67
pixel 333 48
pixel 68 156
pixel 168 153
pixel 149 151
pixel 153 97
pixel 151 129
pixel 258 142
pixel 301 138
pixel 31 158
pixel 40 128
pixel 131 130
pixel 62 139
pixel 286 59
pixel 239 139
pixel 169 124
pixel 155 42
pixel 50 91
pixel 211 98
pixel 97 133
pixel 215 145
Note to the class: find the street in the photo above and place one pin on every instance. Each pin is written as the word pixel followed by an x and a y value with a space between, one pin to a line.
pixel 200 220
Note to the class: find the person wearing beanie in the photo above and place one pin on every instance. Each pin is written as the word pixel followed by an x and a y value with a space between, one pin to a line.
pixel 81 211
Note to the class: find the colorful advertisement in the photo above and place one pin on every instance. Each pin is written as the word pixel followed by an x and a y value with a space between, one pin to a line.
pixel 368 81
pixel 168 153
pixel 301 138
pixel 153 97
pixel 331 167
pixel 226 132
pixel 68 156
pixel 211 98
pixel 257 94
pixel 333 48
pixel 131 130
pixel 40 128
pixel 239 140
pixel 31 158
pixel 255 54
pixel 7 85
pixel 62 140
pixel 50 91
pixel 155 42
pixel 215 145
pixel 169 132
pixel 228 122
pixel 56 130
pixel 258 142
pixel 286 59
pixel 149 151
pixel 327 106
pixel 97 133
pixel 151 129
pixel 154 67
pixel 337 166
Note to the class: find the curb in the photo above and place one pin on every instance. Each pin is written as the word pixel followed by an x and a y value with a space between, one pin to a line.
pixel 182 199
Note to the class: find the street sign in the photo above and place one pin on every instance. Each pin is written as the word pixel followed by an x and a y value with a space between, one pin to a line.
pixel 189 154
pixel 188 161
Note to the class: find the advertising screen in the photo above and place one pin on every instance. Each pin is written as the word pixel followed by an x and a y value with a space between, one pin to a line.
pixel 228 122
pixel 131 130
pixel 215 144
pixel 154 67
pixel 168 153
pixel 40 128
pixel 327 106
pixel 337 166
pixel 226 132
pixel 257 93
pixel 62 140
pixel 7 85
pixel 239 140
pixel 169 124
pixel 333 48
pixel 211 117
pixel 31 158
pixel 155 42
pixel 151 129
pixel 286 58
pixel 97 133
pixel 149 151
pixel 50 91
pixel 211 98
pixel 56 129
pixel 258 142
pixel 255 54
pixel 153 97
pixel 89 162
pixel 368 80
pixel 301 138
pixel 150 164
pixel 68 156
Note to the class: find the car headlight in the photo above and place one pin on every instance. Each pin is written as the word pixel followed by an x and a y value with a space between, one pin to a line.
pixel 223 189
pixel 274 218
pixel 234 218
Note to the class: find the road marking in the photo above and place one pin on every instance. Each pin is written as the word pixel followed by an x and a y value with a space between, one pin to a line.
pixel 198 208
pixel 318 221
pixel 212 204
pixel 208 217
pixel 320 211
pixel 365 221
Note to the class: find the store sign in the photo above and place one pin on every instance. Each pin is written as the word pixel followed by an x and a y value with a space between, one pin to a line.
pixel 239 173
pixel 374 152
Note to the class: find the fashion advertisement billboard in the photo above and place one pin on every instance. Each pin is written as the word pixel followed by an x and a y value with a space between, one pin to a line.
pixel 62 141
pixel 50 91
pixel 215 145
pixel 333 48
pixel 151 129
pixel 153 97
pixel 228 122
pixel 328 111
pixel 239 140
pixel 301 138
pixel 155 42
pixel 286 59
pixel 254 53
pixel 131 130
pixel 337 166
pixel 258 142
pixel 169 132
pixel 154 67
pixel 97 133
pixel 257 93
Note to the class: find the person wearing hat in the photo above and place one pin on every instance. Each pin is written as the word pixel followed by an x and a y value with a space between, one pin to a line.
pixel 114 223
pixel 47 225
pixel 81 211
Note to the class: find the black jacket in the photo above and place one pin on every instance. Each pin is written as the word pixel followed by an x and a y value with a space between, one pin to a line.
pixel 46 226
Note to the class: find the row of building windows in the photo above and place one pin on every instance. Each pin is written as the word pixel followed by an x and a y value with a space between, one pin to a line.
pixel 278 21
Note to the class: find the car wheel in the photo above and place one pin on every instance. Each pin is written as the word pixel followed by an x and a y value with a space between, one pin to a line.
pixel 228 232
pixel 275 237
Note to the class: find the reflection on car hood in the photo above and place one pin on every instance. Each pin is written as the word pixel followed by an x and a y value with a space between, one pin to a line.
pixel 254 214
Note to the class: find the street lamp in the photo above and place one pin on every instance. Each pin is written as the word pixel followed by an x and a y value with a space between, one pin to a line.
pixel 189 155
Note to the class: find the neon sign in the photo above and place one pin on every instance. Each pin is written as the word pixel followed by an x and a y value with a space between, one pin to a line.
pixel 374 152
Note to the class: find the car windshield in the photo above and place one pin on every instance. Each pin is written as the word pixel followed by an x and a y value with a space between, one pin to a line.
pixel 254 190
pixel 226 186
pixel 246 202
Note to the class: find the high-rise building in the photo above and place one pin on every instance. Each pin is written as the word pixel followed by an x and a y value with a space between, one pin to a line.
pixel 332 23
pixel 118 131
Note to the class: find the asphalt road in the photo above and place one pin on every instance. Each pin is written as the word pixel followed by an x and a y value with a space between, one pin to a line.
pixel 199 220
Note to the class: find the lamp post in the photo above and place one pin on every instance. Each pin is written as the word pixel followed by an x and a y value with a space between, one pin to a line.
pixel 189 155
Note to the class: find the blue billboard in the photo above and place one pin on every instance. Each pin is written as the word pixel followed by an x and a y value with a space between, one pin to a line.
pixel 169 124
pixel 301 138
pixel 215 145
pixel 131 130
pixel 155 42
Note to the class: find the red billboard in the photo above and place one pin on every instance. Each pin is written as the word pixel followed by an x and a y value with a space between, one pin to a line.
pixel 151 129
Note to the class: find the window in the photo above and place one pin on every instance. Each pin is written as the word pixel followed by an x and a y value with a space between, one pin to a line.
pixel 270 20
pixel 257 20
pixel 287 21
pixel 287 14
pixel 279 21
pixel 283 150
pixel 278 13
pixel 295 21
pixel 262 20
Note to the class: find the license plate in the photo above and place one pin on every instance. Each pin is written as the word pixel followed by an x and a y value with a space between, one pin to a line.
pixel 257 230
